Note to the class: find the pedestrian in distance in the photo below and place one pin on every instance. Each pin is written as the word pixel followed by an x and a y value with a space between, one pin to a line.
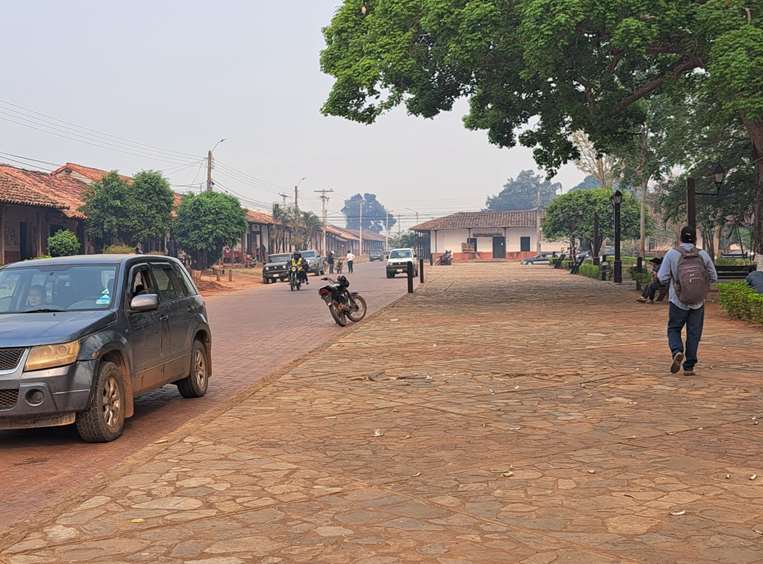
pixel 330 261
pixel 339 265
pixel 350 262
pixel 689 271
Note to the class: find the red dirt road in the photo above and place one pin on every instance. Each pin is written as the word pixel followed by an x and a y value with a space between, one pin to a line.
pixel 255 333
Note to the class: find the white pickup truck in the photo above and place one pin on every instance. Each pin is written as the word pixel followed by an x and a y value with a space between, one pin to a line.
pixel 398 262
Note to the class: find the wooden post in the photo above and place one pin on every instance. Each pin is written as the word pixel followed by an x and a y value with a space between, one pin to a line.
pixel 421 270
pixel 410 277
pixel 230 275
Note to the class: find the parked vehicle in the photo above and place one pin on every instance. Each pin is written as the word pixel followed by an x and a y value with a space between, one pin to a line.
pixel 315 262
pixel 543 258
pixel 398 262
pixel 342 303
pixel 81 336
pixel 375 255
pixel 277 268
pixel 295 278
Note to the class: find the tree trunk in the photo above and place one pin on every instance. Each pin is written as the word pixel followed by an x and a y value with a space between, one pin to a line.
pixel 642 225
pixel 755 130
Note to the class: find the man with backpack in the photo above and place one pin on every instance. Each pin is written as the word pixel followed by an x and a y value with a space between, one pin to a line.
pixel 690 272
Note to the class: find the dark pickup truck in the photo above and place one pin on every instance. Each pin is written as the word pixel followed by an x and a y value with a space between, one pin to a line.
pixel 277 268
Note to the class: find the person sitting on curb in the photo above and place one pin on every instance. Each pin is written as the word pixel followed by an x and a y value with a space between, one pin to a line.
pixel 651 289
pixel 690 272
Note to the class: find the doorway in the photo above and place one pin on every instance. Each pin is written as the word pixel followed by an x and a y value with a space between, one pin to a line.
pixel 499 247
pixel 24 250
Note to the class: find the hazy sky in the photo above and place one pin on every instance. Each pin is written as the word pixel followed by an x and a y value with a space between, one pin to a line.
pixel 176 76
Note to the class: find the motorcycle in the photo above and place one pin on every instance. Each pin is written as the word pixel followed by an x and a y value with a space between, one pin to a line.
pixel 342 303
pixel 295 280
pixel 446 259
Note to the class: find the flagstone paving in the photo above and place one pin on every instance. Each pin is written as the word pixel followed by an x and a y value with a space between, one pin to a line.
pixel 502 414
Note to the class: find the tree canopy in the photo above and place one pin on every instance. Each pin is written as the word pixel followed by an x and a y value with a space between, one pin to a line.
pixel 374 213
pixel 536 71
pixel 208 222
pixel 571 216
pixel 588 183
pixel 524 192
pixel 151 209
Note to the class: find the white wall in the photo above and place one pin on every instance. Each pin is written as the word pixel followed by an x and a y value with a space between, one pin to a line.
pixel 448 240
pixel 513 244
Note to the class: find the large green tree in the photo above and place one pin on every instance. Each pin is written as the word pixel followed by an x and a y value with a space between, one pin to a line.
pixel 208 222
pixel 572 217
pixel 151 209
pixel 536 71
pixel 108 205
pixel 527 191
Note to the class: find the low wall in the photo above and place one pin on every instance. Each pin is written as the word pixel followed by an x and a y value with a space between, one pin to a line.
pixel 487 256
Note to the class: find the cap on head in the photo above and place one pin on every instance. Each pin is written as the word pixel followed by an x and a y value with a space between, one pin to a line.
pixel 688 234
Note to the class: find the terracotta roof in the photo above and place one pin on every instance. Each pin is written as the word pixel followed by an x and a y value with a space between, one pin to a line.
pixel 64 193
pixel 92 174
pixel 367 235
pixel 341 233
pixel 13 190
pixel 480 220
pixel 260 217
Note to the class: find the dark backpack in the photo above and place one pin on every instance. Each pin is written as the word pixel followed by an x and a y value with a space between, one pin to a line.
pixel 693 282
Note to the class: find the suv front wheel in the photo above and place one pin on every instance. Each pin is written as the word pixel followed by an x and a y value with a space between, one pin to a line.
pixel 196 383
pixel 104 419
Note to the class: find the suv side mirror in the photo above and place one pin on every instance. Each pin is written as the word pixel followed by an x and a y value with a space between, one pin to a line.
pixel 144 302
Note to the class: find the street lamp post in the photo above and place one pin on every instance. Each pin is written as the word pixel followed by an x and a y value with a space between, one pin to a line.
pixel 210 183
pixel 617 274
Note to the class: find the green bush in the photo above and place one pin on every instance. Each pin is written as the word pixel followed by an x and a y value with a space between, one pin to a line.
pixel 732 262
pixel 643 278
pixel 63 243
pixel 591 270
pixel 741 301
pixel 119 250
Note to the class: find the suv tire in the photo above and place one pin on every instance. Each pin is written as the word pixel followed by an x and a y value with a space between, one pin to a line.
pixel 104 419
pixel 196 383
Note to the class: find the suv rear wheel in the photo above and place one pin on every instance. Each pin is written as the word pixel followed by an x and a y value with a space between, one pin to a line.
pixel 196 383
pixel 104 418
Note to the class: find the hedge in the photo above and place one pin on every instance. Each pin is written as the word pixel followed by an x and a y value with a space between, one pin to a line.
pixel 591 270
pixel 741 301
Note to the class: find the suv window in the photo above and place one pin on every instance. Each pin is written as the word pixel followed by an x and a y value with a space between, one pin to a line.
pixel 142 282
pixel 186 286
pixel 166 282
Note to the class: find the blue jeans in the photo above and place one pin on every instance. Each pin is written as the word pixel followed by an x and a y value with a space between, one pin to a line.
pixel 694 319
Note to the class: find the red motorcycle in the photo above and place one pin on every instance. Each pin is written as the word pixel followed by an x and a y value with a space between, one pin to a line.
pixel 342 303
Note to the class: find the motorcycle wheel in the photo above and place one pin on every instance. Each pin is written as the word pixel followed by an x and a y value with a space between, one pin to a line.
pixel 338 316
pixel 358 312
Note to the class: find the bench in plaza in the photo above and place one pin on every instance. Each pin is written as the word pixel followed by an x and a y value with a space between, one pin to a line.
pixel 734 272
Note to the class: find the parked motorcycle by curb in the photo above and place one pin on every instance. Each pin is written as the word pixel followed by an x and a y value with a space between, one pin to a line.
pixel 342 303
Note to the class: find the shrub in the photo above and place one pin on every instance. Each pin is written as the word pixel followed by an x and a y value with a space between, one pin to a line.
pixel 741 301
pixel 119 250
pixel 643 278
pixel 732 262
pixel 64 243
pixel 590 270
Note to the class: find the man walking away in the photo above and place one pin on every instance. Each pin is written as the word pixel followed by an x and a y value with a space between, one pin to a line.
pixel 330 260
pixel 690 272
pixel 350 262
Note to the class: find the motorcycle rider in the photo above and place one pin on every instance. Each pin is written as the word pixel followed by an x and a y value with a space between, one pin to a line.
pixel 299 263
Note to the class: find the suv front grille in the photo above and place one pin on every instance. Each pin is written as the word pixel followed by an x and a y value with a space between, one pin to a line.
pixel 9 358
pixel 8 398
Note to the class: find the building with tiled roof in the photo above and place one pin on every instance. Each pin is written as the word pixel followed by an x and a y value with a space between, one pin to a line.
pixel 33 206
pixel 86 174
pixel 486 235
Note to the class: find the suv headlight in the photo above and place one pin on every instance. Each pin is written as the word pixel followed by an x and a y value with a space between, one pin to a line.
pixel 51 356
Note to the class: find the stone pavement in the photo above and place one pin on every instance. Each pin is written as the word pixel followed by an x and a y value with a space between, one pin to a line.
pixel 502 414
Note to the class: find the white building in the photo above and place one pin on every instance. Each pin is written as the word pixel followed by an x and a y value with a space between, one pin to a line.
pixel 484 235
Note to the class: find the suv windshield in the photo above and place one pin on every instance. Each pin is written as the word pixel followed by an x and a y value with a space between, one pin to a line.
pixel 279 258
pixel 401 253
pixel 57 288
pixel 308 254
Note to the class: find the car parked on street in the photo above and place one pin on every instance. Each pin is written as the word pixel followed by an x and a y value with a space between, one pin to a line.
pixel 81 336
pixel 314 261
pixel 376 255
pixel 277 268
pixel 398 262
pixel 543 258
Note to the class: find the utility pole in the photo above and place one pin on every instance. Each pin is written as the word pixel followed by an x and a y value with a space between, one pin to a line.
pixel 285 197
pixel 209 171
pixel 539 248
pixel 296 197
pixel 386 234
pixel 360 253
pixel 324 202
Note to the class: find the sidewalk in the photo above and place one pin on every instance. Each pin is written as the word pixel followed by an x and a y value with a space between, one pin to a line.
pixel 502 414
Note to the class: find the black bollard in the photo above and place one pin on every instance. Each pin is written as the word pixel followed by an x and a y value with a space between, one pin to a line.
pixel 431 259
pixel 421 271
pixel 640 264
pixel 410 277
